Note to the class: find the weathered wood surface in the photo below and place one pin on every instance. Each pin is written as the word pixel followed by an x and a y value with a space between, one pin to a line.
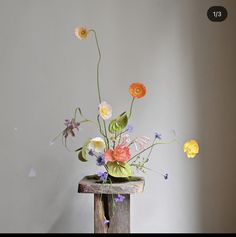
pixel 87 185
pixel 118 214
pixel 105 207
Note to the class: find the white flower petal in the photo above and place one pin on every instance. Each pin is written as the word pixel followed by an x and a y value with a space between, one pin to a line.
pixel 105 110
pixel 96 144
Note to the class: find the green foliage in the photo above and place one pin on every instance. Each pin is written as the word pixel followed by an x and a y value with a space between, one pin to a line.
pixel 119 169
pixel 119 123
pixel 82 155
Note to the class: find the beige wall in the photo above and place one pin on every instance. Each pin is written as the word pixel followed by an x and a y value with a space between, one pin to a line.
pixel 188 66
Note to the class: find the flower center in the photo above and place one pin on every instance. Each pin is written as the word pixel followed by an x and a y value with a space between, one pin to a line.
pixel 104 110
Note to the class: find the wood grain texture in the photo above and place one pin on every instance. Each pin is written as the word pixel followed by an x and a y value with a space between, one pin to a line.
pixel 99 215
pixel 87 185
pixel 105 207
pixel 118 214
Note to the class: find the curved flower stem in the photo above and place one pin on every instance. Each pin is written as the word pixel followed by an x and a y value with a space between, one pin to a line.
pixel 104 135
pixel 85 119
pixel 131 107
pixel 104 123
pixel 112 195
pixel 100 129
pixel 98 85
pixel 98 63
pixel 78 109
pixel 151 147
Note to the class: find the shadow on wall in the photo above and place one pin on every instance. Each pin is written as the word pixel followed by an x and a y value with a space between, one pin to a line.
pixel 214 51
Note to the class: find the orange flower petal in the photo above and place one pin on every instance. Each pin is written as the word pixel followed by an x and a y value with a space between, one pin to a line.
pixel 137 90
pixel 109 155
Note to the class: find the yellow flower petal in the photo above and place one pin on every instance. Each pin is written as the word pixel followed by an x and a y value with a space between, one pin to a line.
pixel 191 148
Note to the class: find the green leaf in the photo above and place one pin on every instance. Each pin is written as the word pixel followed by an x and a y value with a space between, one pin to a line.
pixel 79 149
pixel 119 123
pixel 83 152
pixel 81 157
pixel 119 169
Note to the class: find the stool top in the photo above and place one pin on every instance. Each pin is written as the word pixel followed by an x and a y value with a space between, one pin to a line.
pixel 90 184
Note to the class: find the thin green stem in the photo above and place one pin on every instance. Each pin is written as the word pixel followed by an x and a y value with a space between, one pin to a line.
pixel 148 169
pixel 98 85
pixel 100 128
pixel 104 124
pixel 78 109
pixel 132 142
pixel 98 63
pixel 131 107
pixel 157 143
pixel 87 120
pixel 104 135
pixel 150 150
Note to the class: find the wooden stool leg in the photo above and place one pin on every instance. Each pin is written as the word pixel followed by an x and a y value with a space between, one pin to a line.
pixel 118 214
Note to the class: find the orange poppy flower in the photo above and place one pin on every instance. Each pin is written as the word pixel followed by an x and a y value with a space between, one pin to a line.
pixel 81 33
pixel 137 90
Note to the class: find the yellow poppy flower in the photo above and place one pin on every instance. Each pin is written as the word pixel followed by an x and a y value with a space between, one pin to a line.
pixel 191 148
pixel 81 32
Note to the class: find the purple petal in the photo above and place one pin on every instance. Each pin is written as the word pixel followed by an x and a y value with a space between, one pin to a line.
pixel 119 198
pixel 166 176
pixel 129 128
pixel 157 135
pixel 106 222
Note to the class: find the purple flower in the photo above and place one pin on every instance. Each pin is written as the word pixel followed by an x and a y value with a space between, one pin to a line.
pixel 166 176
pixel 157 135
pixel 129 128
pixel 100 160
pixel 91 153
pixel 102 175
pixel 70 126
pixel 67 122
pixel 106 222
pixel 119 198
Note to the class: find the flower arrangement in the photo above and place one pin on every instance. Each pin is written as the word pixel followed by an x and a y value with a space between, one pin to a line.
pixel 114 148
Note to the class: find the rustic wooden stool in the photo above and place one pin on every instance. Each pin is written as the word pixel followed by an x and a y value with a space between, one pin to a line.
pixel 105 208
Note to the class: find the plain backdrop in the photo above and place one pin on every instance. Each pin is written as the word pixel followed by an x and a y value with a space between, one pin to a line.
pixel 187 63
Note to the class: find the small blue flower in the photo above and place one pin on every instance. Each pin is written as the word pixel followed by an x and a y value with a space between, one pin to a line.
pixel 91 153
pixel 100 160
pixel 166 176
pixel 119 198
pixel 129 128
pixel 102 175
pixel 157 135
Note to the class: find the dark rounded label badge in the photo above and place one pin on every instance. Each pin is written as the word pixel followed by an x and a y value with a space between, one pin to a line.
pixel 217 13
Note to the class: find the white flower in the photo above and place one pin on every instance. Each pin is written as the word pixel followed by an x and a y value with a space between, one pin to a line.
pixel 105 110
pixel 124 139
pixel 97 144
pixel 141 142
